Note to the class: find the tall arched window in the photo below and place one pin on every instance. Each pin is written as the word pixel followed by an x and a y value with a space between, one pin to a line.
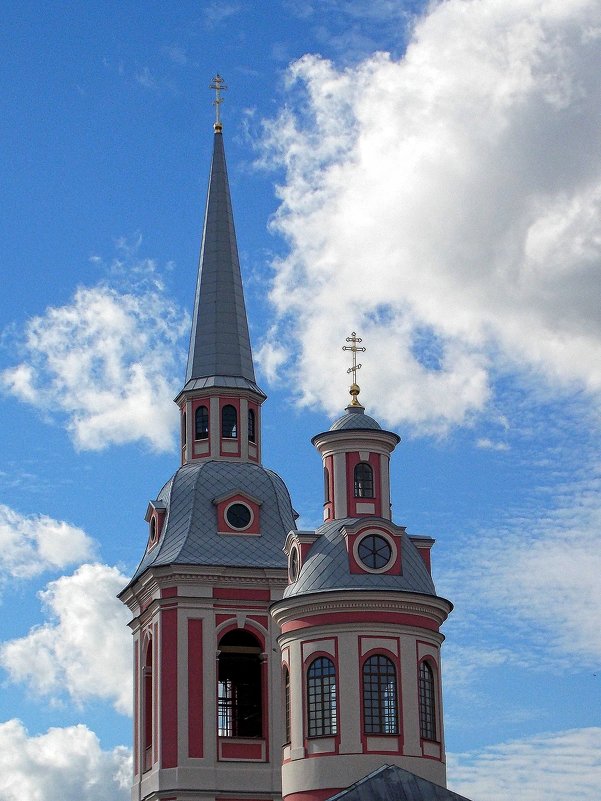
pixel 427 705
pixel 380 713
pixel 201 423
pixel 239 690
pixel 251 426
pixel 364 480
pixel 147 708
pixel 229 422
pixel 286 705
pixel 321 698
pixel 326 484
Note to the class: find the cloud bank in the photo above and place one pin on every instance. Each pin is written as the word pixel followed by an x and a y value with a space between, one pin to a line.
pixel 31 545
pixel 66 764
pixel 107 365
pixel 447 207
pixel 84 648
pixel 554 766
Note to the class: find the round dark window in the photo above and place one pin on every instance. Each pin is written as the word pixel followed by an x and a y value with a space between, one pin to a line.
pixel 374 551
pixel 238 515
pixel 293 565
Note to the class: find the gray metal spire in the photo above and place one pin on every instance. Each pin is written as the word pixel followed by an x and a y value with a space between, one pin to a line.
pixel 220 353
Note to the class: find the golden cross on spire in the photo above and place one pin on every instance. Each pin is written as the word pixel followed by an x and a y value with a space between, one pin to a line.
pixel 354 390
pixel 219 86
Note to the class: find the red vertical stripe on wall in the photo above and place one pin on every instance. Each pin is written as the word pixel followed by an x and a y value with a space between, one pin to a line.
pixel 195 710
pixel 136 703
pixel 168 688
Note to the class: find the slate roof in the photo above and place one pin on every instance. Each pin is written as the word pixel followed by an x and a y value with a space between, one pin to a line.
pixel 219 341
pixel 391 783
pixel 355 417
pixel 326 566
pixel 189 535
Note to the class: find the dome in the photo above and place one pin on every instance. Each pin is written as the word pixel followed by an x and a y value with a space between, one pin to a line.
pixel 327 567
pixel 355 418
pixel 190 536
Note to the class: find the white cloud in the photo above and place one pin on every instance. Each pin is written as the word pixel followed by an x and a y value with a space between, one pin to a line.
pixel 553 767
pixel 446 203
pixel 490 445
pixel 535 577
pixel 31 545
pixel 107 364
pixel 64 763
pixel 84 649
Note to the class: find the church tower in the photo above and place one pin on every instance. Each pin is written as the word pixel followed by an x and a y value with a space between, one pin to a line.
pixel 207 675
pixel 270 662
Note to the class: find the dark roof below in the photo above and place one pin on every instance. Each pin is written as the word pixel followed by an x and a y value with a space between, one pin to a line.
pixel 391 783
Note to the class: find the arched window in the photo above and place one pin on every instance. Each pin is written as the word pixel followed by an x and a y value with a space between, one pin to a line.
pixel 427 706
pixel 201 423
pixel 326 484
pixel 229 422
pixel 184 430
pixel 380 713
pixel 239 691
pixel 147 708
pixel 364 481
pixel 287 705
pixel 321 697
pixel 251 426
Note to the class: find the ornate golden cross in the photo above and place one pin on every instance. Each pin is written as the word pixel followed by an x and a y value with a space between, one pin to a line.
pixel 219 86
pixel 354 340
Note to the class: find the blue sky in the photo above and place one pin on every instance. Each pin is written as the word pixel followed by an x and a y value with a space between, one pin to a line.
pixel 426 174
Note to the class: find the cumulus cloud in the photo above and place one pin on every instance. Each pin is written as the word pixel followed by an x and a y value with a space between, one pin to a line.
pixel 446 206
pixel 552 766
pixel 66 763
pixel 83 649
pixel 31 545
pixel 107 364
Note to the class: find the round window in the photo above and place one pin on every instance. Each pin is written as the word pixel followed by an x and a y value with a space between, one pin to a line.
pixel 238 515
pixel 374 551
pixel 293 564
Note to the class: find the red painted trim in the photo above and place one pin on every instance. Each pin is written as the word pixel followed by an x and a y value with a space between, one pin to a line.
pixel 330 618
pixel 168 592
pixel 136 705
pixel 238 594
pixel 220 619
pixel 235 402
pixel 155 697
pixel 433 662
pixel 426 555
pixel 353 459
pixel 251 751
pixel 169 711
pixel 252 629
pixel 222 524
pixel 261 620
pixel 195 688
pixel 257 443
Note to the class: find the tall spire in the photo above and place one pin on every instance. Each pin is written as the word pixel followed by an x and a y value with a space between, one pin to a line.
pixel 220 353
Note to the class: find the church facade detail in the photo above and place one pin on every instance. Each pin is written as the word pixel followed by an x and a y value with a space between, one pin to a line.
pixel 272 662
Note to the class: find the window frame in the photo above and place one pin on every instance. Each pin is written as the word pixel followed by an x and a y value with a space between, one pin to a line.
pixel 232 424
pixel 380 715
pixel 428 724
pixel 322 698
pixel 204 433
pixel 363 486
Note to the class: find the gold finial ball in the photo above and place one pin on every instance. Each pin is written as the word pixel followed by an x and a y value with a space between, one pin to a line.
pixel 217 127
pixel 354 391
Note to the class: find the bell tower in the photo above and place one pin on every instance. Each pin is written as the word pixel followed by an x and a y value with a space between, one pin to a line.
pixel 207 675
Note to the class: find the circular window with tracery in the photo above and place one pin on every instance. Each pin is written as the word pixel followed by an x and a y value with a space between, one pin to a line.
pixel 238 516
pixel 374 551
